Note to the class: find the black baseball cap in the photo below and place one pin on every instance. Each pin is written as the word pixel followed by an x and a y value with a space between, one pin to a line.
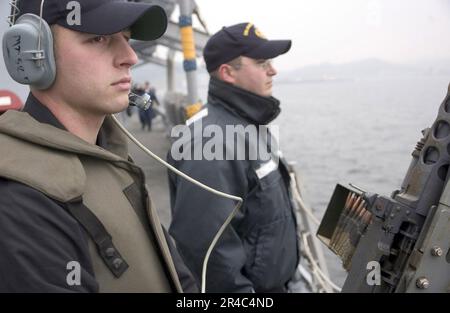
pixel 102 17
pixel 241 40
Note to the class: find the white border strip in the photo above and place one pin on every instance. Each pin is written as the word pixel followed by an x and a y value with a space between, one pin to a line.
pixel 196 117
pixel 266 169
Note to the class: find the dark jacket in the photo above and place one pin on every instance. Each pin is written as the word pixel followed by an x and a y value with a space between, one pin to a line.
pixel 38 234
pixel 258 251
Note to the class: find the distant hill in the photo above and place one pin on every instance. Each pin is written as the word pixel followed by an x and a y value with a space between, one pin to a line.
pixel 364 69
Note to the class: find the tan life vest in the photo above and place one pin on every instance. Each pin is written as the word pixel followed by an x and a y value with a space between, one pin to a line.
pixel 70 170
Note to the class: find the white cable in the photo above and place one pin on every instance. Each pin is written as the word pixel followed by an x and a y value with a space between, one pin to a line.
pixel 320 283
pixel 213 243
pixel 302 204
pixel 313 263
pixel 214 191
pixel 318 275
pixel 316 221
pixel 316 270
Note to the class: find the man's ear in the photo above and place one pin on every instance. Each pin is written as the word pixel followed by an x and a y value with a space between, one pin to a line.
pixel 226 73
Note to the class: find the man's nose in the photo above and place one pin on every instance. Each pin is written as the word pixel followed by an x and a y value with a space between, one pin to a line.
pixel 271 71
pixel 127 57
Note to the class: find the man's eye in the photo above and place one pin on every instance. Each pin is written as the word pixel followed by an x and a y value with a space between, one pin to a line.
pixel 99 39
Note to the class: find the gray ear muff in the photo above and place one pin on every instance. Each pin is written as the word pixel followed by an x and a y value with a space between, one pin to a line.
pixel 25 64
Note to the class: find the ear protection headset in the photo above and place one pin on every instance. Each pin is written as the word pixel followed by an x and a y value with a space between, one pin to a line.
pixel 28 49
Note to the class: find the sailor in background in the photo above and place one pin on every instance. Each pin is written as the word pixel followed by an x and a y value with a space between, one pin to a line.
pixel 258 252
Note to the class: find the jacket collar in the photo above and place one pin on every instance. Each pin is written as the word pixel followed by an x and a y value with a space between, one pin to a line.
pixel 40 125
pixel 40 112
pixel 252 107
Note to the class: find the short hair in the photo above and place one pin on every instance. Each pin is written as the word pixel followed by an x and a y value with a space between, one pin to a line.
pixel 236 63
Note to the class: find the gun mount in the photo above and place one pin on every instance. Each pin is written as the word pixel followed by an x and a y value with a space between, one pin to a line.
pixel 407 235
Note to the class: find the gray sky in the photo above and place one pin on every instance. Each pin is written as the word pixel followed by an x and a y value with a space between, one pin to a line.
pixel 335 31
pixel 401 31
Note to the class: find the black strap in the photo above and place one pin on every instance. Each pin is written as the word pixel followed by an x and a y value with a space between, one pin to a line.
pixel 98 233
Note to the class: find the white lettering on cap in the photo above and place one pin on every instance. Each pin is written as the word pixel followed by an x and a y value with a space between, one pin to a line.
pixel 74 16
